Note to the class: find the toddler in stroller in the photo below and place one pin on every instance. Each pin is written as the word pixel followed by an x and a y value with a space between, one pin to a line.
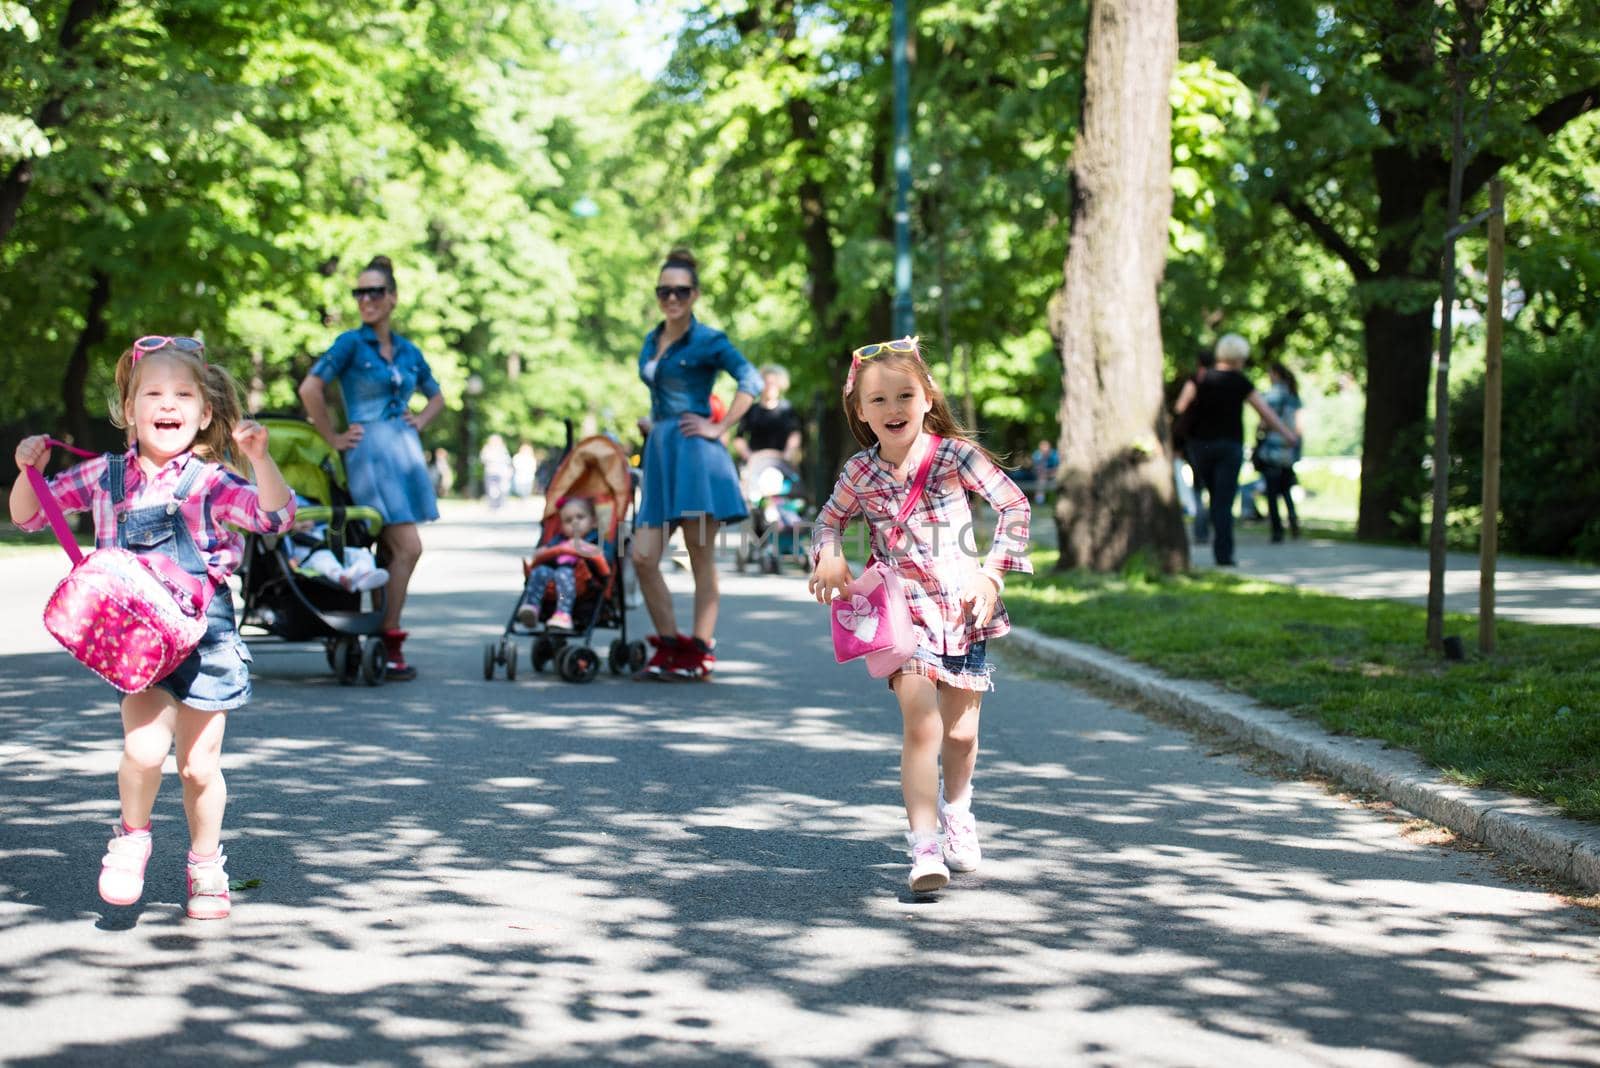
pixel 771 487
pixel 309 585
pixel 573 583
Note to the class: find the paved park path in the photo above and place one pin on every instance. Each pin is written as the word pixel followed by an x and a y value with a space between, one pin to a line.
pixel 455 871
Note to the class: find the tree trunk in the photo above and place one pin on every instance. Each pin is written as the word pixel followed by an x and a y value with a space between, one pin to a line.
pixel 76 374
pixel 1117 496
pixel 1398 349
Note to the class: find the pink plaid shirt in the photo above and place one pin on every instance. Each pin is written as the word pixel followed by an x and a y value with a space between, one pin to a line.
pixel 936 554
pixel 218 501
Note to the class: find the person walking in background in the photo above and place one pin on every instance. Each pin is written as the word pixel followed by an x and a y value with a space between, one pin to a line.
pixel 171 495
pixel 1193 493
pixel 1216 434
pixel 1045 461
pixel 443 473
pixel 524 470
pixel 688 478
pixel 378 370
pixel 895 408
pixel 1276 456
pixel 771 422
pixel 496 461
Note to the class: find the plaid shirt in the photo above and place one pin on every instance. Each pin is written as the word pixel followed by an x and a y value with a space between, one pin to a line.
pixel 936 554
pixel 218 500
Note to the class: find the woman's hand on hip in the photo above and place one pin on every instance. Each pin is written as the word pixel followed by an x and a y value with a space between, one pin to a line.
pixel 415 420
pixel 691 425
pixel 349 439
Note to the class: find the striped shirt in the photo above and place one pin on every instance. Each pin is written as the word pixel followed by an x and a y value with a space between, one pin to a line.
pixel 936 552
pixel 219 501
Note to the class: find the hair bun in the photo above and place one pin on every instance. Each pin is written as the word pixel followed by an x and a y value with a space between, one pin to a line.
pixel 381 263
pixel 681 254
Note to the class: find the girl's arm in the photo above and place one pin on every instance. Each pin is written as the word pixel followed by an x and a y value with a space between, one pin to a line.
pixel 1009 552
pixel 32 452
pixel 830 571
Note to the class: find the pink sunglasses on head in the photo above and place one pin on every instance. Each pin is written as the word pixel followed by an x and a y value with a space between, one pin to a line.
pixel 155 343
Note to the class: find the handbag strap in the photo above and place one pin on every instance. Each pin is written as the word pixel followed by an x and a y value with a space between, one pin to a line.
pixel 52 508
pixel 917 486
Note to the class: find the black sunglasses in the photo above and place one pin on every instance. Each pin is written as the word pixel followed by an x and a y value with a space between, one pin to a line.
pixel 680 292
pixel 369 292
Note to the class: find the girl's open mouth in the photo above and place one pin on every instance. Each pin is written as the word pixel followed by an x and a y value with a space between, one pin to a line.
pixel 895 428
pixel 168 424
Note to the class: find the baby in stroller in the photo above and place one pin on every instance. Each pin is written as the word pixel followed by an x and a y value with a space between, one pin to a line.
pixel 777 503
pixel 309 550
pixel 574 581
pixel 557 565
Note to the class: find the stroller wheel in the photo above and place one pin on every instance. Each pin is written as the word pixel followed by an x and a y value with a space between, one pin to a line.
pixel 617 658
pixel 374 662
pixel 488 660
pixel 638 655
pixel 508 649
pixel 770 564
pixel 347 660
pixel 544 650
pixel 578 663
pixel 328 647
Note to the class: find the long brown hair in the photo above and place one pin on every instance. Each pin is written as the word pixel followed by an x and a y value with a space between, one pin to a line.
pixel 940 419
pixel 221 392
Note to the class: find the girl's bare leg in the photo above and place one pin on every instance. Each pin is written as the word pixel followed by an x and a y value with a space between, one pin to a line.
pixel 919 751
pixel 649 543
pixel 958 755
pixel 205 793
pixel 405 549
pixel 148 721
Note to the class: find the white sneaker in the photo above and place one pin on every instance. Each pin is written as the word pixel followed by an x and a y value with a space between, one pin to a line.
pixel 961 850
pixel 928 871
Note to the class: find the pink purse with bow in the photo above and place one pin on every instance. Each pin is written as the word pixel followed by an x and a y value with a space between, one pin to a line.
pixel 873 620
pixel 119 613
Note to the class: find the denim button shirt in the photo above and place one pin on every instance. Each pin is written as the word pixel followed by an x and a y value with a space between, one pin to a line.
pixel 375 388
pixel 689 367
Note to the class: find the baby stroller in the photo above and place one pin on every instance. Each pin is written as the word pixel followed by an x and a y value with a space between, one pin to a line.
pixel 771 488
pixel 281 599
pixel 596 468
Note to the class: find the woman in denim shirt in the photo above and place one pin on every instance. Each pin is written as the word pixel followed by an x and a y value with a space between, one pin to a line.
pixel 689 481
pixel 378 370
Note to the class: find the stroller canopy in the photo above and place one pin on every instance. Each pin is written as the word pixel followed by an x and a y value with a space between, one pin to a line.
pixel 596 468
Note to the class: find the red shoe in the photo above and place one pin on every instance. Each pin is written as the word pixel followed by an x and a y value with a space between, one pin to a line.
pixel 396 669
pixel 696 660
pixel 664 661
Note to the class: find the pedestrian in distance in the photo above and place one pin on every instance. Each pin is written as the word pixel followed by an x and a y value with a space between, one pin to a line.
pixel 1216 434
pixel 1191 491
pixel 1045 462
pixel 897 411
pixel 771 423
pixel 1275 456
pixel 378 370
pixel 174 493
pixel 688 482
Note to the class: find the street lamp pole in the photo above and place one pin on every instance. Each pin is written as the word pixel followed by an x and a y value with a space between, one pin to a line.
pixel 904 313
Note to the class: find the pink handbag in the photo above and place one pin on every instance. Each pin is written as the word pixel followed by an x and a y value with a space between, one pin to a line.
pixel 874 620
pixel 119 613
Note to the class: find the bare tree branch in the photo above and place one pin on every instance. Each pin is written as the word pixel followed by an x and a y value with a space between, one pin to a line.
pixel 1330 237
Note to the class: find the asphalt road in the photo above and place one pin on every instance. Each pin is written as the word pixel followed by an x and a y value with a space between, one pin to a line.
pixel 457 871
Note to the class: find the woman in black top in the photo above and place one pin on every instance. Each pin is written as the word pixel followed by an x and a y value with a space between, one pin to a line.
pixel 771 422
pixel 1216 434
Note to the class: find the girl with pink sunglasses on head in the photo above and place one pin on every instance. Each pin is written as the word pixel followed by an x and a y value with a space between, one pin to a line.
pixel 174 493
pixel 896 409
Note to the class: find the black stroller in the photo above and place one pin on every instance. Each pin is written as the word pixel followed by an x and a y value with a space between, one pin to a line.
pixel 598 469
pixel 285 600
pixel 778 523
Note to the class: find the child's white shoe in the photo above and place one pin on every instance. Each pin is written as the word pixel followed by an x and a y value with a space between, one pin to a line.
pixel 928 871
pixel 961 849
pixel 371 580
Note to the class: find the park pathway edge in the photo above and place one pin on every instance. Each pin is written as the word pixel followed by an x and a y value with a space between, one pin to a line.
pixel 1530 831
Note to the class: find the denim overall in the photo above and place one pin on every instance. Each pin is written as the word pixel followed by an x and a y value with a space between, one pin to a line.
pixel 216 676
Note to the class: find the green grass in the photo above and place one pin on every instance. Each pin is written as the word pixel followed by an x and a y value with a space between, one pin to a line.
pixel 1526 720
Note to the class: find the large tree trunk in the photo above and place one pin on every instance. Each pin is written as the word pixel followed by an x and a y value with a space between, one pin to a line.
pixel 76 374
pixel 1117 496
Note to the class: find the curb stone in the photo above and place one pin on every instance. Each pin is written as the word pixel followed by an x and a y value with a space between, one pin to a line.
pixel 1530 831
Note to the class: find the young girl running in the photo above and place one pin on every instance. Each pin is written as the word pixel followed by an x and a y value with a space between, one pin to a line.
pixel 896 409
pixel 169 493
